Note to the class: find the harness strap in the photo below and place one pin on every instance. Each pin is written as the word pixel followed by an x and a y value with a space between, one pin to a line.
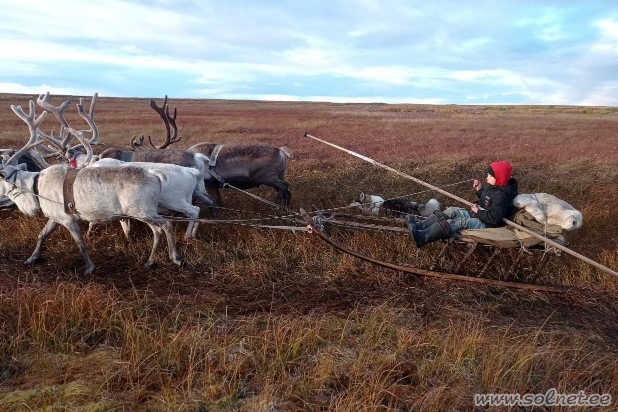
pixel 212 162
pixel 211 170
pixel 35 186
pixel 67 191
pixel 126 155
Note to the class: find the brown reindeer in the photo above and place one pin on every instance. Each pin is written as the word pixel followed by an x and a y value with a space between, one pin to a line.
pixel 243 165
pixel 247 165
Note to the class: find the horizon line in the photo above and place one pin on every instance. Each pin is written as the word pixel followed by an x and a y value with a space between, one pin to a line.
pixel 299 100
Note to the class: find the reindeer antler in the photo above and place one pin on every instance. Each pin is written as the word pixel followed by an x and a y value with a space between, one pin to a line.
pixel 89 118
pixel 33 123
pixel 135 144
pixel 175 138
pixel 164 112
pixel 63 139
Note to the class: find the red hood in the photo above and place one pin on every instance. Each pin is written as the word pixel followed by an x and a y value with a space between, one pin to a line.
pixel 502 171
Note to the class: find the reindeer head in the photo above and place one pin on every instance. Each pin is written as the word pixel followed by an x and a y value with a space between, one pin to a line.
pixel 17 184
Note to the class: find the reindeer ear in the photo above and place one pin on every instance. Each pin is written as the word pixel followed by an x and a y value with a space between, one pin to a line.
pixel 361 197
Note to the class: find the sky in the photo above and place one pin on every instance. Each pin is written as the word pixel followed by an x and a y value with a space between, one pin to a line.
pixel 437 52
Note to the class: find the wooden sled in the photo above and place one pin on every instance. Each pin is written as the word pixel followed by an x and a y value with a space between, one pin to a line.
pixel 497 239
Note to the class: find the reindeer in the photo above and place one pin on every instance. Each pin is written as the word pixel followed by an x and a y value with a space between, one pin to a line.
pixel 240 165
pixel 36 157
pixel 176 191
pixel 33 163
pixel 246 166
pixel 100 194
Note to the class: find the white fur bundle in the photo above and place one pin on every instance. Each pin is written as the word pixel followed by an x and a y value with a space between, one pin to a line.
pixel 550 210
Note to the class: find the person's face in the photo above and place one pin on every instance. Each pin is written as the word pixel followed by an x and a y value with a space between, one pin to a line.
pixel 490 179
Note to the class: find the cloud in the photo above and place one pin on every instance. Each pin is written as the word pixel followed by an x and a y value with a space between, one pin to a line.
pixel 351 50
pixel 608 39
pixel 605 94
pixel 41 88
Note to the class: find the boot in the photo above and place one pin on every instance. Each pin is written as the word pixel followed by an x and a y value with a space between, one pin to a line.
pixel 430 220
pixel 439 230
pixel 424 224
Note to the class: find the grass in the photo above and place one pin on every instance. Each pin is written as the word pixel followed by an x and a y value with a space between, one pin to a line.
pixel 265 321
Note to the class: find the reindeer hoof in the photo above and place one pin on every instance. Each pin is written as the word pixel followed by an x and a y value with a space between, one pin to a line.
pixel 31 260
pixel 150 264
pixel 89 270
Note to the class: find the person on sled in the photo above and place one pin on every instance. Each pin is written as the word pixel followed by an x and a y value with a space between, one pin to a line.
pixel 495 203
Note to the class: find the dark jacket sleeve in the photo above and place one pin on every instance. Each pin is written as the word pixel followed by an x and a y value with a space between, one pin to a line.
pixel 493 216
pixel 479 193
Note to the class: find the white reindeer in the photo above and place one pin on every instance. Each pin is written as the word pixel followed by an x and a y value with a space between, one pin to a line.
pixel 101 194
pixel 176 191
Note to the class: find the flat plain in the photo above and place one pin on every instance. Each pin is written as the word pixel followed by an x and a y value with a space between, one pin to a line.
pixel 271 320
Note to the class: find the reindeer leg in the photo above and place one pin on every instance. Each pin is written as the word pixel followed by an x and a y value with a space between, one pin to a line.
pixel 288 198
pixel 192 212
pixel 156 240
pixel 91 227
pixel 215 194
pixel 126 228
pixel 50 226
pixel 73 227
pixel 194 232
pixel 204 199
pixel 171 243
pixel 283 194
pixel 191 230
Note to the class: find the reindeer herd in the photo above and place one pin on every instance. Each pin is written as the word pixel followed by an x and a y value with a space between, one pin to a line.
pixel 141 183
